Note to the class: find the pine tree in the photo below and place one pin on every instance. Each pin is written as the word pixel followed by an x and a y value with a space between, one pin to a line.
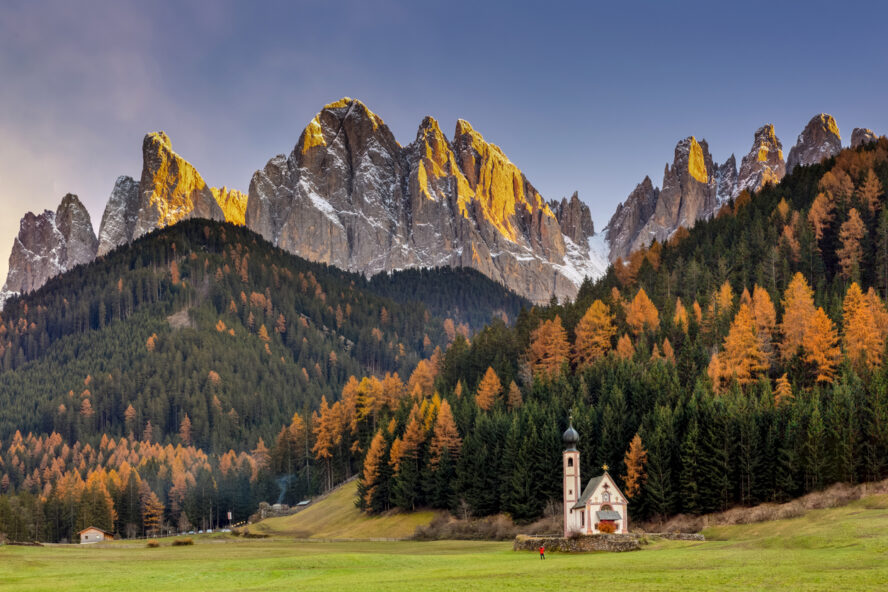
pixel 690 469
pixel 593 335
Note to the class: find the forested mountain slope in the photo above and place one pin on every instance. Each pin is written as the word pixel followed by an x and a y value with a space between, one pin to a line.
pixel 208 320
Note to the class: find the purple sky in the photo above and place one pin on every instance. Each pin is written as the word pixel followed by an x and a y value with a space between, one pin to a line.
pixel 581 97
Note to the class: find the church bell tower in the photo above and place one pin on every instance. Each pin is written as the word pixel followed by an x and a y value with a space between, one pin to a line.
pixel 571 470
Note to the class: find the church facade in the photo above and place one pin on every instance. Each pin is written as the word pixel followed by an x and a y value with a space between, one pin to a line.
pixel 600 506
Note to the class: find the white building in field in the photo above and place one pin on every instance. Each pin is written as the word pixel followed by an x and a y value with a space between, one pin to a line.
pixel 600 503
pixel 92 534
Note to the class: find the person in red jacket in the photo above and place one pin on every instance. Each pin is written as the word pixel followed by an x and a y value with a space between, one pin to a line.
pixel 542 552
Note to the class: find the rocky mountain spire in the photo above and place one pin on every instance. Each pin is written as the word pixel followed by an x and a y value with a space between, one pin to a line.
pixel 574 218
pixel 819 140
pixel 49 244
pixel 631 216
pixel 170 188
pixel 862 136
pixel 121 211
pixel 763 164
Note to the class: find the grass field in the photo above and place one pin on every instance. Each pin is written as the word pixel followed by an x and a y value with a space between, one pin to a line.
pixel 844 548
pixel 336 517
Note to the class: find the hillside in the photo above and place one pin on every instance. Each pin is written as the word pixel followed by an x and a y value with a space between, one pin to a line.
pixel 336 517
pixel 206 319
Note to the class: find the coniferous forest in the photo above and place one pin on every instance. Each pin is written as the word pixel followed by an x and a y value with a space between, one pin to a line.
pixel 200 370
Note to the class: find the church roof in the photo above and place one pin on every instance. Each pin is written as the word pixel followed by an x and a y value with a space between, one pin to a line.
pixel 587 493
pixel 608 515
pixel 593 484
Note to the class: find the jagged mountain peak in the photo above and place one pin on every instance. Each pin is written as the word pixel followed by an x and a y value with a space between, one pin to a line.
pixel 764 162
pixel 862 136
pixel 819 140
pixel 351 196
pixel 50 243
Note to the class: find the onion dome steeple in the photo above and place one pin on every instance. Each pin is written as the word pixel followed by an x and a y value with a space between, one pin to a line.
pixel 570 437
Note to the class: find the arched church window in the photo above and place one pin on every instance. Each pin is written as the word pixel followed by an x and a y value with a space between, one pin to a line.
pixel 606 507
pixel 570 462
pixel 606 496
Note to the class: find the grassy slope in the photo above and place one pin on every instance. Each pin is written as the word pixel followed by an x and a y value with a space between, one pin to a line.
pixel 844 548
pixel 336 517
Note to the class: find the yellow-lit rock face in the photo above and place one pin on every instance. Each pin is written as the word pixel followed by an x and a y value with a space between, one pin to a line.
pixel 232 202
pixel 696 163
pixel 313 135
pixel 438 162
pixel 175 184
pixel 830 123
pixel 499 185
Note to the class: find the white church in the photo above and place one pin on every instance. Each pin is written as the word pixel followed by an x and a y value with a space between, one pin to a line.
pixel 600 503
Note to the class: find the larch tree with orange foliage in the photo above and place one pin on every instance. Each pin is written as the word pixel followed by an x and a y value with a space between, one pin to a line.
pixel 783 391
pixel 625 349
pixel 821 346
pixel 445 435
pixel 549 349
pixel 328 434
pixel 185 431
pixel 870 191
pixel 641 314
pixel 820 214
pixel 850 253
pixel 798 307
pixel 743 356
pixel 862 334
pixel 422 381
pixel 635 460
pixel 680 318
pixel 514 400
pixel 374 476
pixel 488 390
pixel 593 335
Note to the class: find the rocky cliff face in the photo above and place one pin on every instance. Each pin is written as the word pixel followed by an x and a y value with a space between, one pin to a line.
pixel 574 218
pixel 351 196
pixel 694 187
pixel 820 139
pixel 631 216
pixel 121 212
pixel 49 244
pixel 170 190
pixel 862 136
pixel 764 163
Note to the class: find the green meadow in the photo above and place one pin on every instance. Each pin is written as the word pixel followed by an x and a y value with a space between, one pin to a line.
pixel 843 548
